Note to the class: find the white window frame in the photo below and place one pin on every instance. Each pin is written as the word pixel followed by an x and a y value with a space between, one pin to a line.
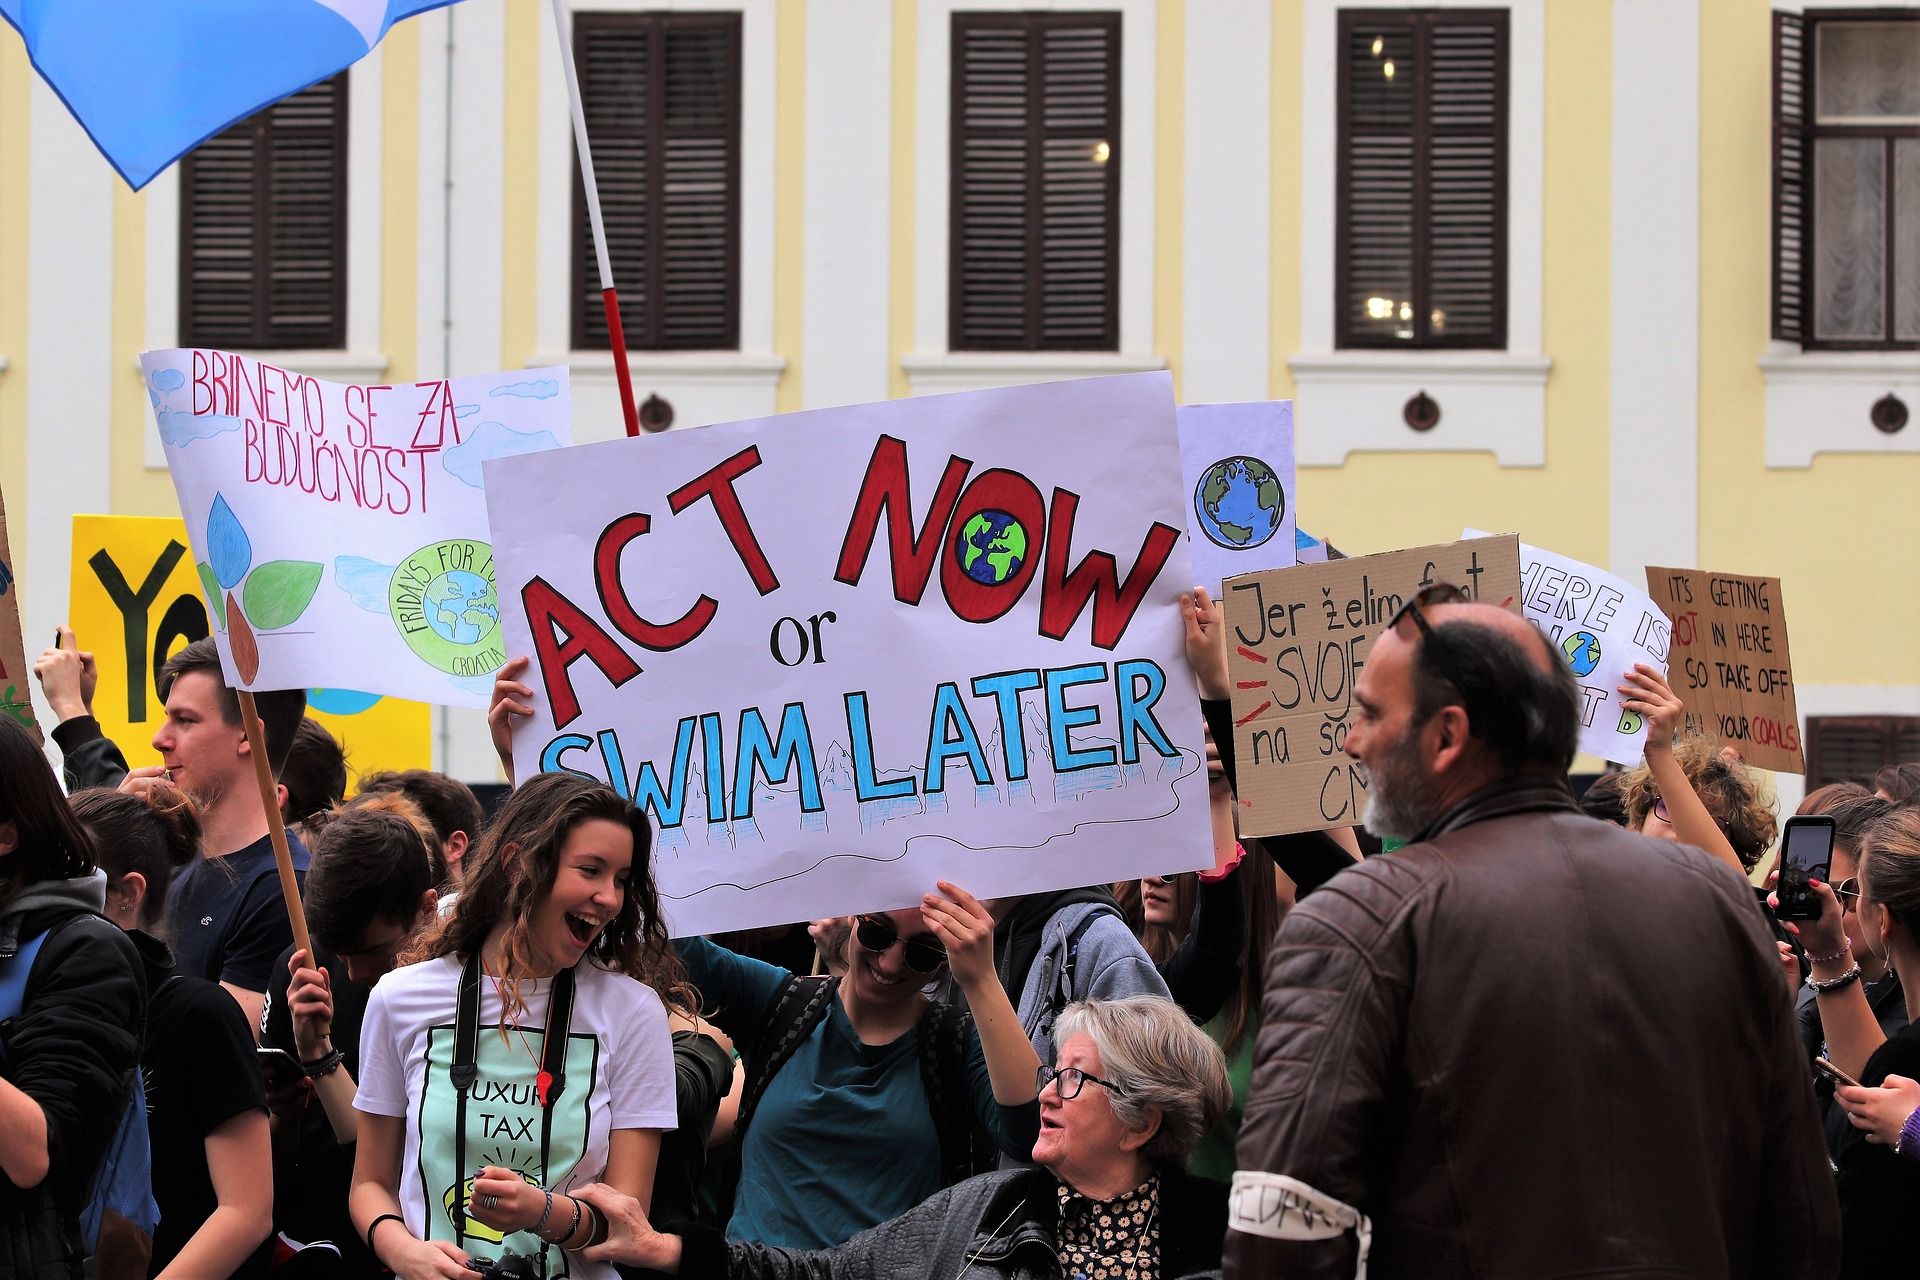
pixel 933 366
pixel 745 379
pixel 361 359
pixel 1819 401
pixel 1489 400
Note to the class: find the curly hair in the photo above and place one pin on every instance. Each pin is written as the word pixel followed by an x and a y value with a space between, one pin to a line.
pixel 513 869
pixel 1736 796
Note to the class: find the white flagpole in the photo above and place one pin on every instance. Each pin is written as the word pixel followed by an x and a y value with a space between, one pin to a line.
pixel 609 298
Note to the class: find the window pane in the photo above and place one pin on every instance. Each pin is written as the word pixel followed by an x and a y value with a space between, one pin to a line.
pixel 1382 108
pixel 1906 239
pixel 1867 71
pixel 1850 238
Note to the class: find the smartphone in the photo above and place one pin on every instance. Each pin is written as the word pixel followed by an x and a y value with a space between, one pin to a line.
pixel 1806 853
pixel 1833 1073
pixel 274 1060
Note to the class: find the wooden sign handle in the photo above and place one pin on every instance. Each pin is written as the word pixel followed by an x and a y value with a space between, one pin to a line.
pixel 276 826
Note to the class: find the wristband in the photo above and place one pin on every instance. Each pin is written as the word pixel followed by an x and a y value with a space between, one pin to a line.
pixel 1218 874
pixel 598 1228
pixel 323 1066
pixel 543 1215
pixel 1821 986
pixel 573 1227
pixel 1846 945
pixel 375 1224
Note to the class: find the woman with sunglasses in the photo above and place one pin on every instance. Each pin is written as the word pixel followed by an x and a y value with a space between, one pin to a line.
pixel 863 1095
pixel 1135 1085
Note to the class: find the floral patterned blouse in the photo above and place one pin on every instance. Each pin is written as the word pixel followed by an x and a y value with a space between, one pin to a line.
pixel 1116 1239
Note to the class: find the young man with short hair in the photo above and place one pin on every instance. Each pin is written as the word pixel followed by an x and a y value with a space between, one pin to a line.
pixel 448 803
pixel 226 920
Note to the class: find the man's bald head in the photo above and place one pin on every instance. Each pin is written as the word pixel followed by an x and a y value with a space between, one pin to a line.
pixel 1521 701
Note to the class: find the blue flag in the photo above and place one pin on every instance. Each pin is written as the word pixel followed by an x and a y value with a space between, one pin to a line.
pixel 151 79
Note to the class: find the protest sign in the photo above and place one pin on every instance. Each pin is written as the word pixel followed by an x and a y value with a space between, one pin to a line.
pixel 837 655
pixel 1297 640
pixel 1602 625
pixel 338 531
pixel 16 695
pixel 1730 663
pixel 135 601
pixel 1237 461
pixel 1308 549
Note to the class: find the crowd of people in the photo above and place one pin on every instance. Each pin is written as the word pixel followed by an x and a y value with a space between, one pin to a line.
pixel 1500 1032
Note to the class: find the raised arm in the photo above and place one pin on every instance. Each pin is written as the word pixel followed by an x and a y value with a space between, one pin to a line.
pixel 1647 692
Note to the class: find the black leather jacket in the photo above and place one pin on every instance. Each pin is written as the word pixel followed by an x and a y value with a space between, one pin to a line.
pixel 997 1226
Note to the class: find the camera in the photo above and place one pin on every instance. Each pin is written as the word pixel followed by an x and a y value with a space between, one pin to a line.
pixel 508 1266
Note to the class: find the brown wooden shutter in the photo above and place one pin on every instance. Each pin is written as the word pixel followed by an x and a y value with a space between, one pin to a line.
pixel 1421 239
pixel 662 99
pixel 1789 177
pixel 1854 748
pixel 1034 256
pixel 263 229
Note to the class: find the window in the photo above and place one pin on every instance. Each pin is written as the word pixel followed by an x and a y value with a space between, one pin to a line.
pixel 662 98
pixel 1421 216
pixel 263 228
pixel 1846 180
pixel 1034 240
pixel 1854 748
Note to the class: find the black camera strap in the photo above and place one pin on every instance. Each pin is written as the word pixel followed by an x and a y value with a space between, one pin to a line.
pixel 550 1083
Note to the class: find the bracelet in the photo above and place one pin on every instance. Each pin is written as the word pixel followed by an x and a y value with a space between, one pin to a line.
pixel 323 1066
pixel 574 1226
pixel 374 1225
pixel 1846 945
pixel 1908 1142
pixel 1820 986
pixel 599 1229
pixel 543 1215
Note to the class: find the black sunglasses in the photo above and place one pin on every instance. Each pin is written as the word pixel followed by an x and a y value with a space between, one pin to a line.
pixel 1437 593
pixel 877 934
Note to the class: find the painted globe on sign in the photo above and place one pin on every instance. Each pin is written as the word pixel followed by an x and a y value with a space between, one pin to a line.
pixel 1239 503
pixel 1583 652
pixel 991 547
pixel 460 606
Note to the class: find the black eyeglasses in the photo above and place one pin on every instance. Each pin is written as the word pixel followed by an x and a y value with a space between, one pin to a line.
pixel 1069 1080
pixel 1433 594
pixel 877 934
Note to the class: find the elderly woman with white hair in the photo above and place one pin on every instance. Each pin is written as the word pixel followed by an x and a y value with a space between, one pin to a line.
pixel 1134 1088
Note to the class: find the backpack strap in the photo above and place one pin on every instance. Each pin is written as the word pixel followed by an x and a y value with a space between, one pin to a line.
pixel 16 971
pixel 946 1042
pixel 800 1006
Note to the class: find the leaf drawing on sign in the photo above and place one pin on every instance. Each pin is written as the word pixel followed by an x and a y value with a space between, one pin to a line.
pixel 246 651
pixel 280 591
pixel 14 703
pixel 216 599
pixel 229 550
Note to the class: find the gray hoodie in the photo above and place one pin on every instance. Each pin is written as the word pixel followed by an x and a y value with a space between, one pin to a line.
pixel 87 893
pixel 1108 964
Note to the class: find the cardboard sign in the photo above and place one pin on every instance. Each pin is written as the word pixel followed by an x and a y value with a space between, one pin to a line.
pixel 339 532
pixel 1237 462
pixel 1297 640
pixel 838 655
pixel 135 601
pixel 1729 662
pixel 1602 625
pixel 16 691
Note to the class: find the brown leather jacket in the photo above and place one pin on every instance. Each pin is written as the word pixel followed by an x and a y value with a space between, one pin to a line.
pixel 1538 1045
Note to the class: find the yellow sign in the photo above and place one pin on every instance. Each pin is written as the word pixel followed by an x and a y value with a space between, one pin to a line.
pixel 136 601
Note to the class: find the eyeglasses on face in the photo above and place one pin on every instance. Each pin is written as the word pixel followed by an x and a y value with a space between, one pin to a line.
pixel 1660 810
pixel 1067 1081
pixel 877 934
pixel 1848 891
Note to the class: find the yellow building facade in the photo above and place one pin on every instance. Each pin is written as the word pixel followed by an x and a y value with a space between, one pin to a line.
pixel 1639 414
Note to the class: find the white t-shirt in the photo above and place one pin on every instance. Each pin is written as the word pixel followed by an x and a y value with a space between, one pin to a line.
pixel 619 1075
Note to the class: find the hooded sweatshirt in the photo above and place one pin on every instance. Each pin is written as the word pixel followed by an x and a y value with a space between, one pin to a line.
pixel 1108 962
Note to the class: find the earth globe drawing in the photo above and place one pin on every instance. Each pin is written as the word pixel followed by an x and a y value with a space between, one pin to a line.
pixel 1239 503
pixel 991 547
pixel 1583 652
pixel 460 606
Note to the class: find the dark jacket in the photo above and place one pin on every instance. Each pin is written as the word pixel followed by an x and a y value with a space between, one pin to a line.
pixel 1888 1000
pixel 997 1226
pixel 72 1049
pixel 1483 1042
pixel 88 757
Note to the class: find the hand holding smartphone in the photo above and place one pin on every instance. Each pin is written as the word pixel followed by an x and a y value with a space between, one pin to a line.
pixel 1834 1073
pixel 1806 854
